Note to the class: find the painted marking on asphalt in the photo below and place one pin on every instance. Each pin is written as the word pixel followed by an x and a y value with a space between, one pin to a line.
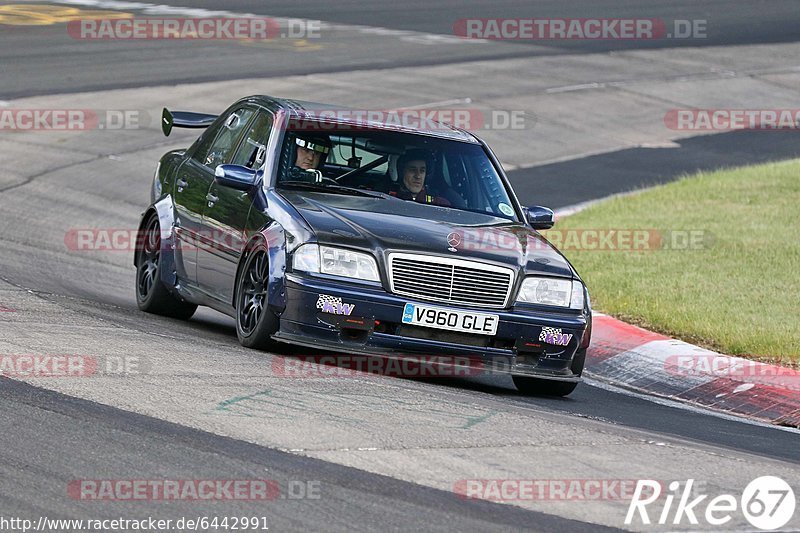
pixel 46 15
pixel 279 404
pixel 454 101
pixel 155 9
pixel 295 45
pixel 579 87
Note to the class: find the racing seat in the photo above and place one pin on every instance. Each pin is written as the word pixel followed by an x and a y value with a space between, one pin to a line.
pixel 437 186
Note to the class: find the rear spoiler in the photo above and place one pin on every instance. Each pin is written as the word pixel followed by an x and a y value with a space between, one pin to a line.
pixel 184 119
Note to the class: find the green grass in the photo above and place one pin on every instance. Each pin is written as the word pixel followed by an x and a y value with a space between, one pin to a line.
pixel 739 293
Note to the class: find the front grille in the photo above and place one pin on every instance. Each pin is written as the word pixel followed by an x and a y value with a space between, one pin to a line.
pixel 444 279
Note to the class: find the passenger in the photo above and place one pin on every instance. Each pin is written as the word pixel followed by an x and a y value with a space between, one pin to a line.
pixel 412 169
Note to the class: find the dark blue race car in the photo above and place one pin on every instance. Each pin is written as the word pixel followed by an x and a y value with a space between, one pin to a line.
pixel 319 228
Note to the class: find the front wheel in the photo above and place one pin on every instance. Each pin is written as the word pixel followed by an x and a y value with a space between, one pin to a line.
pixel 544 387
pixel 255 323
pixel 152 296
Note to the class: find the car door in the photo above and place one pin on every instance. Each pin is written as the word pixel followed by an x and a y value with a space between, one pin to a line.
pixel 226 212
pixel 192 182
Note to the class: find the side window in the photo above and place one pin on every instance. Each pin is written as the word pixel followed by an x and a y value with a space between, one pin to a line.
pixel 224 143
pixel 253 150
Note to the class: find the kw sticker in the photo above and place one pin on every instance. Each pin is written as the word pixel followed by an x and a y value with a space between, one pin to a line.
pixel 334 305
pixel 554 336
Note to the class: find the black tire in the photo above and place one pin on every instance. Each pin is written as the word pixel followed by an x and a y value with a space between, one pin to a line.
pixel 152 296
pixel 255 323
pixel 545 387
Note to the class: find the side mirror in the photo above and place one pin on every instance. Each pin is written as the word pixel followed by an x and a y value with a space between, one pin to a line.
pixel 540 217
pixel 236 177
pixel 167 121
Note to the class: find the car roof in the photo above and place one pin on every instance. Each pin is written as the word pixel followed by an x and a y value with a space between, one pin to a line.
pixel 317 111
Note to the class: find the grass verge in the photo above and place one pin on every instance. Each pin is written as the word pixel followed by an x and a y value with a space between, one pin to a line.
pixel 719 264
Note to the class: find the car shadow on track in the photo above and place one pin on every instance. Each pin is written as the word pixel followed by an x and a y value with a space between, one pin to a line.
pixel 496 384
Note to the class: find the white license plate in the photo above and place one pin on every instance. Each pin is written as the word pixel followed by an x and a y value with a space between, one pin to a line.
pixel 441 318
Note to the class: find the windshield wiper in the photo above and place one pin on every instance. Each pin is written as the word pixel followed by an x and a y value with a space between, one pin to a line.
pixel 340 189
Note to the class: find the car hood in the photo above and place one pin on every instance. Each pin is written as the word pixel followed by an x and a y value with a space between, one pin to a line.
pixel 382 225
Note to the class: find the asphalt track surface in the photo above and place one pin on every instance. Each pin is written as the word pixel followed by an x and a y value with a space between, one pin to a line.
pixel 50 438
pixel 734 22
pixel 37 60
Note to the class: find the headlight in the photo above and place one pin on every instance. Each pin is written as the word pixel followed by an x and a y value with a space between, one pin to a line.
pixel 577 295
pixel 335 261
pixel 552 291
pixel 306 258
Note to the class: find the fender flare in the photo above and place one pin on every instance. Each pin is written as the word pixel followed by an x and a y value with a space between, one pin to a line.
pixel 273 238
pixel 166 222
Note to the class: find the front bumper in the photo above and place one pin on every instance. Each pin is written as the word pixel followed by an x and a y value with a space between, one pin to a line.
pixel 374 327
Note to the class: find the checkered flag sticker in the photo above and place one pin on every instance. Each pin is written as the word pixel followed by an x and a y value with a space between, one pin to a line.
pixel 325 298
pixel 554 336
pixel 553 332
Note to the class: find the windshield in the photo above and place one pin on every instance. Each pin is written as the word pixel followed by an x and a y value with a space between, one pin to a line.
pixel 414 168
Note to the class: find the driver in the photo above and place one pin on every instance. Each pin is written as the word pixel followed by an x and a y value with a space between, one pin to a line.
pixel 412 169
pixel 311 151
